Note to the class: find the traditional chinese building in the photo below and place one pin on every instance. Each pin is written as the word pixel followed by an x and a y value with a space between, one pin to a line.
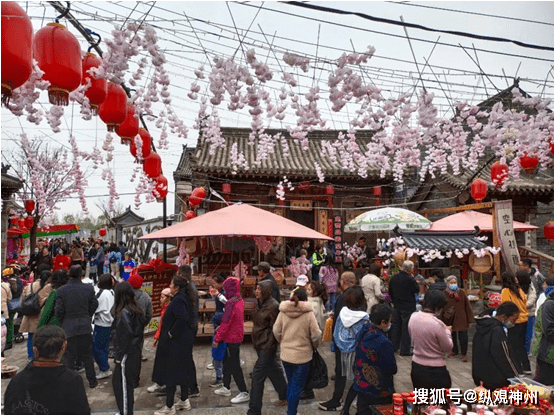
pixel 323 206
pixel 10 185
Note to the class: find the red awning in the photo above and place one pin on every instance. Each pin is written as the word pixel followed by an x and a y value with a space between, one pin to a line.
pixel 238 220
pixel 467 220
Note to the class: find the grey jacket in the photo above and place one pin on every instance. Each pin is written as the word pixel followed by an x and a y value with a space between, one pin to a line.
pixel 75 306
pixel 145 303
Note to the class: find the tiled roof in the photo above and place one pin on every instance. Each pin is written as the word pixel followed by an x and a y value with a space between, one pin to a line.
pixel 540 182
pixel 183 168
pixel 442 240
pixel 300 163
pixel 11 182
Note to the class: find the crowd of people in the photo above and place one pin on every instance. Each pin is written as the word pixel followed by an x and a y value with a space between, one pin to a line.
pixel 368 328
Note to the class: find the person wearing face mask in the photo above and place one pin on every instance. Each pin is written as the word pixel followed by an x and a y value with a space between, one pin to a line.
pixel 432 338
pixel 493 363
pixel 374 354
pixel 34 260
pixel 457 313
pixel 61 261
pixel 512 291
pixel 543 343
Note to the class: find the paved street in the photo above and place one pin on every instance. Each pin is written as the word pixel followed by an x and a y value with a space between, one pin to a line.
pixel 101 398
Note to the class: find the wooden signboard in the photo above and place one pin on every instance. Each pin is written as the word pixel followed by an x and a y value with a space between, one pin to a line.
pixel 153 284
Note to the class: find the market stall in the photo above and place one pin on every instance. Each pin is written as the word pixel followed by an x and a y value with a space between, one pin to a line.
pixel 219 231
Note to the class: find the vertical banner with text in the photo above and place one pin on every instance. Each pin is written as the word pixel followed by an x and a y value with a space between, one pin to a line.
pixel 506 235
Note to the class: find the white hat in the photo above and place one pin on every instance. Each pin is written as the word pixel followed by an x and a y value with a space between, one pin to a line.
pixel 302 281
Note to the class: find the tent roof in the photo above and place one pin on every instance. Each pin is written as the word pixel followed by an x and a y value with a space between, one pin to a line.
pixel 239 220
pixel 467 220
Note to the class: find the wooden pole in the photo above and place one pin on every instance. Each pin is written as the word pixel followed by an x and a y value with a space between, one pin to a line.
pixel 496 243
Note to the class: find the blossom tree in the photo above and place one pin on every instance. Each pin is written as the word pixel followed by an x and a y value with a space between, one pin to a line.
pixel 50 177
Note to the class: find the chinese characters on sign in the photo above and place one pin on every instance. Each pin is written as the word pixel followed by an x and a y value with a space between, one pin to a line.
pixel 512 397
pixel 338 238
pixel 506 235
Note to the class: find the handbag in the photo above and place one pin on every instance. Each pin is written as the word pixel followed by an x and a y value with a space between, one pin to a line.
pixel 30 305
pixel 328 330
pixel 317 375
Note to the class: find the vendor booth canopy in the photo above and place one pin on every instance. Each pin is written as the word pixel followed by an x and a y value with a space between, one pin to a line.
pixel 54 230
pixel 467 220
pixel 386 219
pixel 238 220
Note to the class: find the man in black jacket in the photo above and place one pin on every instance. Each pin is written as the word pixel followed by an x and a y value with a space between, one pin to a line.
pixel 402 290
pixel 492 360
pixel 75 306
pixel 263 269
pixel 265 345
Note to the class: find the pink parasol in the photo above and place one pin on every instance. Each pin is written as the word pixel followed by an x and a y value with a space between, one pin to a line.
pixel 467 220
pixel 239 220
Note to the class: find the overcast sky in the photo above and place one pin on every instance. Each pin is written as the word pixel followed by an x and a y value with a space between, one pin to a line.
pixel 450 74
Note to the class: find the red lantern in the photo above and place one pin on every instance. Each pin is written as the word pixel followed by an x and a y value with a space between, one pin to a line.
pixel 129 128
pixel 14 220
pixel 113 110
pixel 58 54
pixel 29 205
pixel 499 173
pixel 304 186
pixel 330 189
pixel 17 44
pixel 549 231
pixel 21 223
pixel 528 163
pixel 197 196
pixel 98 89
pixel 377 191
pixel 146 144
pixel 190 215
pixel 551 146
pixel 152 165
pixel 479 190
pixel 29 222
pixel 281 202
pixel 102 232
pixel 160 190
pixel 226 188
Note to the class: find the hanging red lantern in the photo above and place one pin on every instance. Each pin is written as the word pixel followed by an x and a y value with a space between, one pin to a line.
pixel 58 54
pixel 29 222
pixel 152 165
pixel 281 202
pixel 304 186
pixel 549 231
pixel 377 191
pixel 197 196
pixel 226 188
pixel 146 144
pixel 98 89
pixel 102 232
pixel 190 215
pixel 499 173
pixel 551 146
pixel 129 128
pixel 478 190
pixel 29 205
pixel 528 163
pixel 329 189
pixel 21 223
pixel 14 220
pixel 17 48
pixel 161 188
pixel 113 110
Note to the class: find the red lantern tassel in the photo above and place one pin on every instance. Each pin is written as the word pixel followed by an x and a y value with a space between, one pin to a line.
pixel 94 109
pixel 58 96
pixel 6 94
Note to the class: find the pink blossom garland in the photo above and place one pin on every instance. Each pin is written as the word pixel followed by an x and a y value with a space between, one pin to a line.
pixel 80 181
pixel 107 175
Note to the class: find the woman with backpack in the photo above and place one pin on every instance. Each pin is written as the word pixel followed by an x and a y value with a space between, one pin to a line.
pixel 40 288
pixel 350 321
pixel 103 320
